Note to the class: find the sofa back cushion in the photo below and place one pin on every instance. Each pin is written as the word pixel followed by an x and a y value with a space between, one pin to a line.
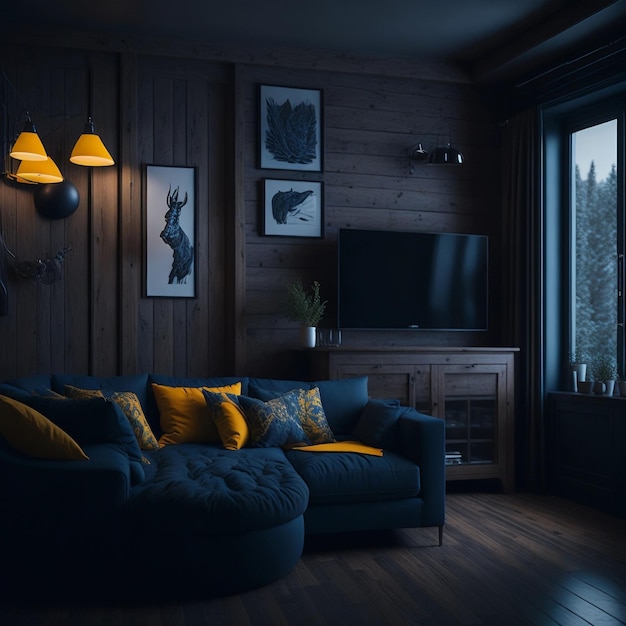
pixel 92 421
pixel 30 383
pixel 342 400
pixel 138 384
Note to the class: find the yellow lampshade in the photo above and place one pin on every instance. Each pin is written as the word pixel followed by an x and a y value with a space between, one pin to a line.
pixel 28 145
pixel 89 149
pixel 39 172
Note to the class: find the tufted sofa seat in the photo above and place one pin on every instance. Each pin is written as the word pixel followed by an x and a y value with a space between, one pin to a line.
pixel 220 506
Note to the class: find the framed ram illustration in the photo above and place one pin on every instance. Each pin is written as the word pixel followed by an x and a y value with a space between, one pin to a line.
pixel 292 208
pixel 290 128
pixel 170 231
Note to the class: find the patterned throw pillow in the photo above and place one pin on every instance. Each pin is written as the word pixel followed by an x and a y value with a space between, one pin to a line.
pixel 275 423
pixel 313 418
pixel 131 407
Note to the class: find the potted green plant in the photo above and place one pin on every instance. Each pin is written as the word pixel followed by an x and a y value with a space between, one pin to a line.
pixel 306 307
pixel 604 369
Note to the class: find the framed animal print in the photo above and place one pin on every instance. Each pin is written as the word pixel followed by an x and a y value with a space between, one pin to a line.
pixel 292 208
pixel 290 128
pixel 170 231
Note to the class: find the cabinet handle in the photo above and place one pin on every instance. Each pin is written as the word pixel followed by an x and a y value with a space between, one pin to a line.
pixel 470 366
pixel 376 366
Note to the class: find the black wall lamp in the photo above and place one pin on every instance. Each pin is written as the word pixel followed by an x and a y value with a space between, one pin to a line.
pixel 441 153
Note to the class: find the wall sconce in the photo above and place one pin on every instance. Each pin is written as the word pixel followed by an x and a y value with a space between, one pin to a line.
pixel 439 154
pixel 28 145
pixel 36 166
pixel 38 172
pixel 89 149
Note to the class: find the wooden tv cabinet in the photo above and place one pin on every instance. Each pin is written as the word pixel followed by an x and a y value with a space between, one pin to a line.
pixel 470 388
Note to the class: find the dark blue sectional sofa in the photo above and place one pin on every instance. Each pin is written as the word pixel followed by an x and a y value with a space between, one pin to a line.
pixel 195 516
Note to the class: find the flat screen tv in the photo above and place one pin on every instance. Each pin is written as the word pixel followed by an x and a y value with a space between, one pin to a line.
pixel 412 280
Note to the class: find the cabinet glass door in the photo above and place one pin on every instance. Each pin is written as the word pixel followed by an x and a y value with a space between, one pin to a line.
pixel 470 409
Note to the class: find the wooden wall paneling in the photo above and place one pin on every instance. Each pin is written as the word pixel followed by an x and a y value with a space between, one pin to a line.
pixel 58 145
pixel 185 107
pixel 369 123
pixel 25 245
pixel 185 341
pixel 144 137
pixel 180 156
pixel 130 218
pixel 77 270
pixel 163 336
pixel 8 324
pixel 104 236
pixel 44 244
pixel 236 259
pixel 197 310
pixel 218 294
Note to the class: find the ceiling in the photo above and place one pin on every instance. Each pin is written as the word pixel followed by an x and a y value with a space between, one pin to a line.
pixel 489 38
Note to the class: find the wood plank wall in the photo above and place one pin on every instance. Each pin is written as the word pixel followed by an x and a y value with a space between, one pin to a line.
pixel 177 109
pixel 369 123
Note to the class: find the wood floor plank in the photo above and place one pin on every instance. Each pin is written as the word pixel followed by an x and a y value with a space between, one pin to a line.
pixel 507 560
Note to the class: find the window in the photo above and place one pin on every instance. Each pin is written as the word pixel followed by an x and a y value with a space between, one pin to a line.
pixel 596 265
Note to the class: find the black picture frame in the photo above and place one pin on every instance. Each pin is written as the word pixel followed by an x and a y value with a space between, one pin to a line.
pixel 293 208
pixel 290 128
pixel 170 255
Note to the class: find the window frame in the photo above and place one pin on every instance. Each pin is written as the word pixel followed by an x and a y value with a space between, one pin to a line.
pixel 559 122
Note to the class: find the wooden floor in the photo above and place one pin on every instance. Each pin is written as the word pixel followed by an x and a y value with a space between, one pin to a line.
pixel 506 560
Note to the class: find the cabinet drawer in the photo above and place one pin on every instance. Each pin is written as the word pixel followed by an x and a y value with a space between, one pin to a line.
pixel 384 381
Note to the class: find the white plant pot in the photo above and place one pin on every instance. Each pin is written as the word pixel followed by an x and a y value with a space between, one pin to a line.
pixel 307 336
pixel 579 374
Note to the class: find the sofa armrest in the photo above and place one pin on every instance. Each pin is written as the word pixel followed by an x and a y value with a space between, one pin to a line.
pixel 62 498
pixel 421 438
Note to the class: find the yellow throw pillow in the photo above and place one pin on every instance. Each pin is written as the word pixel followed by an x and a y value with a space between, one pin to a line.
pixel 184 413
pixel 131 407
pixel 229 419
pixel 33 434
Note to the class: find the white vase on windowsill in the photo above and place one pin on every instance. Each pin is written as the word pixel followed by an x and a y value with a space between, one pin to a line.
pixel 579 374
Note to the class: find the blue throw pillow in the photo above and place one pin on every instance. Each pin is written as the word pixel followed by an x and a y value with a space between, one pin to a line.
pixel 275 423
pixel 376 425
pixel 15 393
pixel 92 420
pixel 343 400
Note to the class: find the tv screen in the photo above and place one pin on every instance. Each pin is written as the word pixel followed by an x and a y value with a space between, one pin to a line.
pixel 414 281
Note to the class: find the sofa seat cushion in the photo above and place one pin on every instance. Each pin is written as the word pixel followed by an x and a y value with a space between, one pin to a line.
pixel 201 488
pixel 343 477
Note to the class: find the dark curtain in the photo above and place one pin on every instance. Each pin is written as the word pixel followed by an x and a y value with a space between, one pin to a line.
pixel 522 280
